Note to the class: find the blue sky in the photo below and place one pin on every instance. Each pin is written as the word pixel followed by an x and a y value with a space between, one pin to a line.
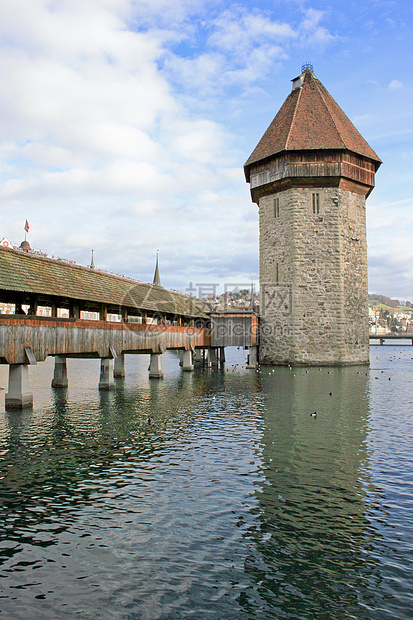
pixel 125 124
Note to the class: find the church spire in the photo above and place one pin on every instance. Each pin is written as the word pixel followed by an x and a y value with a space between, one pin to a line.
pixel 157 277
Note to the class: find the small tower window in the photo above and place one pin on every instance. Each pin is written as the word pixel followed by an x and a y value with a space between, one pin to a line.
pixel 276 207
pixel 263 178
pixel 316 203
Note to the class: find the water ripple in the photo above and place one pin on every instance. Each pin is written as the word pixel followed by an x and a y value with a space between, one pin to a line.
pixel 233 502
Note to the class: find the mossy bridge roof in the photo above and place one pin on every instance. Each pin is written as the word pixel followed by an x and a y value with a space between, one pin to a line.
pixel 28 273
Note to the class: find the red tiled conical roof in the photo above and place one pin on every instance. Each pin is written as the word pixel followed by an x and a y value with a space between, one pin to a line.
pixel 310 119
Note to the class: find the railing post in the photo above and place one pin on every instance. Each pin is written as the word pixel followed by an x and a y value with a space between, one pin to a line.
pixel 103 313
pixel 32 310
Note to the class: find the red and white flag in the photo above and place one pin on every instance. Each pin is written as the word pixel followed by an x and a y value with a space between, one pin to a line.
pixel 26 226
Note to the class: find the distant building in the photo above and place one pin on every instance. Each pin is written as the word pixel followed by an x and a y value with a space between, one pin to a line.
pixel 378 330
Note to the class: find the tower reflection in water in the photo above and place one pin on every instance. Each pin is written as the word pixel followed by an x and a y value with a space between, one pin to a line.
pixel 312 542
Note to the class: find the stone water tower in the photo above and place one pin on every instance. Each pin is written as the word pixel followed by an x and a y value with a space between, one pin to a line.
pixel 310 175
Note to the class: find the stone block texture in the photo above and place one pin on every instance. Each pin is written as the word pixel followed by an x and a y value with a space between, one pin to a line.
pixel 313 277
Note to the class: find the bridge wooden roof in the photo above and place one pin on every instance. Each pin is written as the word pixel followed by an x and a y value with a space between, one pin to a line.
pixel 29 273
pixel 310 119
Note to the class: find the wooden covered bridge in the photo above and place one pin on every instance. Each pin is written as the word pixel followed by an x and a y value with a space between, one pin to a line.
pixel 130 317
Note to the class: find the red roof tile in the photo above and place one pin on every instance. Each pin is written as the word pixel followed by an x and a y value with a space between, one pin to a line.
pixel 310 119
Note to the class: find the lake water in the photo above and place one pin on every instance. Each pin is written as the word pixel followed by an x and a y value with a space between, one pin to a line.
pixel 232 502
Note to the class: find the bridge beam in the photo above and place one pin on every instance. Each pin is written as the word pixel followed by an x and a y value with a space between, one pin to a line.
pixel 60 372
pixel 106 381
pixel 19 396
pixel 155 369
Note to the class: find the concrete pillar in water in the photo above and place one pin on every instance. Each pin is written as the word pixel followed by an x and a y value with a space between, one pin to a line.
pixel 212 356
pixel 187 364
pixel 19 396
pixel 60 372
pixel 252 360
pixel 198 356
pixel 119 366
pixel 206 359
pixel 155 370
pixel 106 381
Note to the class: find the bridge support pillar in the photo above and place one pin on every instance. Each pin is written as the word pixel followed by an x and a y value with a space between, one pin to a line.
pixel 222 355
pixel 206 358
pixel 212 357
pixel 187 364
pixel 18 396
pixel 155 370
pixel 60 372
pixel 106 381
pixel 198 356
pixel 252 359
pixel 119 366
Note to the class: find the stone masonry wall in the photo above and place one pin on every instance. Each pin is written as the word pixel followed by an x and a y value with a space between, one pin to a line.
pixel 313 277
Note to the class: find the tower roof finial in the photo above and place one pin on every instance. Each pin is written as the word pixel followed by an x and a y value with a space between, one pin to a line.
pixel 92 263
pixel 307 66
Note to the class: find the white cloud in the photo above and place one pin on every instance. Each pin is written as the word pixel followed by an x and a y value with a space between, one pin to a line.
pixel 311 32
pixel 237 30
pixel 396 85
pixel 111 126
pixel 241 48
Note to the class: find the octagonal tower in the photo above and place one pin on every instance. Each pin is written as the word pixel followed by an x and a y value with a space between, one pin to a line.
pixel 310 175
